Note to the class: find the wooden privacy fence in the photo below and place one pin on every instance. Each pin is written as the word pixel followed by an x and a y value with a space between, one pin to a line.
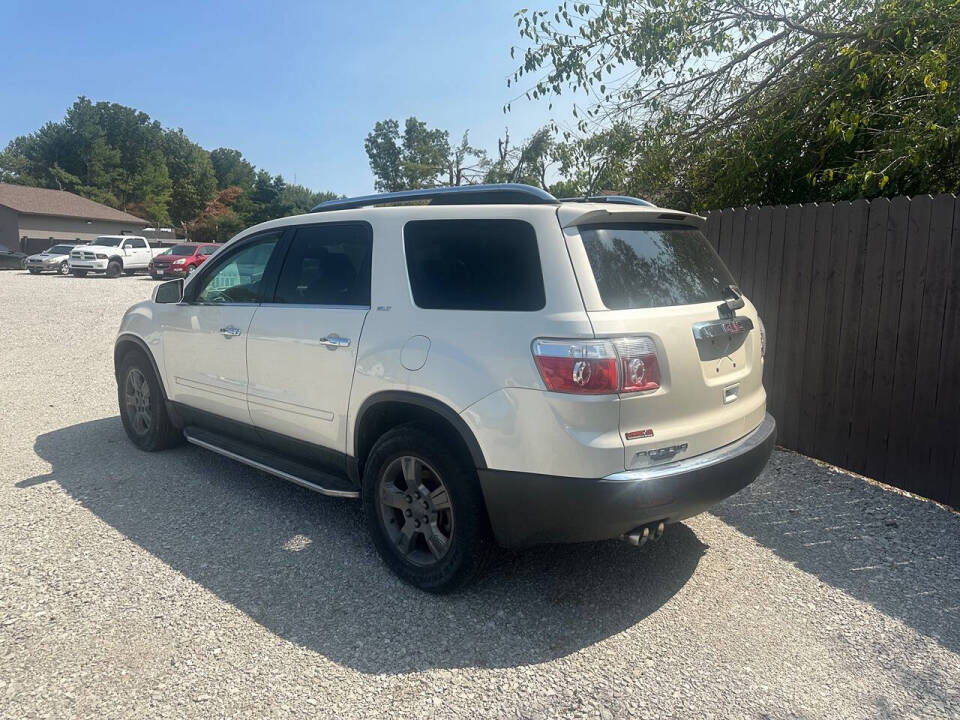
pixel 861 303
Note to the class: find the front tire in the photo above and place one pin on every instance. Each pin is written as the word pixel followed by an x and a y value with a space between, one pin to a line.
pixel 142 408
pixel 64 268
pixel 424 510
pixel 114 268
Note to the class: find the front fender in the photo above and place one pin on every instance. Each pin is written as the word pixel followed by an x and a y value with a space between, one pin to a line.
pixel 141 327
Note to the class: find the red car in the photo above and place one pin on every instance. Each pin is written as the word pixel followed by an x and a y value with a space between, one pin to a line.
pixel 180 260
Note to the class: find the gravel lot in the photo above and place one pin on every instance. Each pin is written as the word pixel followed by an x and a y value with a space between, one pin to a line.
pixel 181 584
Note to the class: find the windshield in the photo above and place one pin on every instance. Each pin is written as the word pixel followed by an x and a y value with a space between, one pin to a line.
pixel 643 265
pixel 59 250
pixel 109 241
pixel 183 249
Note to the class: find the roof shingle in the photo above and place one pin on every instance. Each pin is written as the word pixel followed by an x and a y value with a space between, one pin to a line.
pixel 40 201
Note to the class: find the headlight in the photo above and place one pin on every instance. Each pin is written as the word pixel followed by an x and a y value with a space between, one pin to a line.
pixel 181 261
pixel 763 337
pixel 101 257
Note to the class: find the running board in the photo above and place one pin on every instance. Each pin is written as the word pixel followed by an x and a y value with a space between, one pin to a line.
pixel 269 462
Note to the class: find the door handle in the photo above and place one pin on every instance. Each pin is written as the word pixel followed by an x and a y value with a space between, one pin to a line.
pixel 229 331
pixel 334 340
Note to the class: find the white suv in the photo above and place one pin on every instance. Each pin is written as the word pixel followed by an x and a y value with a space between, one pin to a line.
pixel 494 367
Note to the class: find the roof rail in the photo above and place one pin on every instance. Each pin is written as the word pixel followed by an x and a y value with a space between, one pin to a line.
pixel 616 199
pixel 500 194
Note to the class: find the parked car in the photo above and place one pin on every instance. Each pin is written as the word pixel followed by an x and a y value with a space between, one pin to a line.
pixel 496 366
pixel 112 255
pixel 53 259
pixel 12 259
pixel 180 260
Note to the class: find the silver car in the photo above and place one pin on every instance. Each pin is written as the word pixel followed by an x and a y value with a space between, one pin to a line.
pixel 53 259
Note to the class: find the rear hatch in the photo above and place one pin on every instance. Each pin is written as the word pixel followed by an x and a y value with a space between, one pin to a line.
pixel 651 274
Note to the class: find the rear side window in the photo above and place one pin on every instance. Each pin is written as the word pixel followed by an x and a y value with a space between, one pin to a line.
pixel 474 265
pixel 327 265
pixel 644 265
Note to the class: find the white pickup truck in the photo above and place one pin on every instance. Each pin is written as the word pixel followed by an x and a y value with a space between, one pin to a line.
pixel 112 255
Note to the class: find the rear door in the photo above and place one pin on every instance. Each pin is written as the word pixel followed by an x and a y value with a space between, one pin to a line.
pixel 302 346
pixel 661 280
pixel 136 253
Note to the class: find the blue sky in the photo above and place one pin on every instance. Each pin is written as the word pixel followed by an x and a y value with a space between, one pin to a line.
pixel 295 86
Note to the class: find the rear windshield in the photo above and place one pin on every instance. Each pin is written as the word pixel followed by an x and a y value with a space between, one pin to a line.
pixel 643 265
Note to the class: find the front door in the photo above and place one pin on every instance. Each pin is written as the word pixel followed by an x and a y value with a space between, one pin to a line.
pixel 205 337
pixel 302 347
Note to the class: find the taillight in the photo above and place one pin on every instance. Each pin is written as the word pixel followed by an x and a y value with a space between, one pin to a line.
pixel 577 366
pixel 639 365
pixel 596 367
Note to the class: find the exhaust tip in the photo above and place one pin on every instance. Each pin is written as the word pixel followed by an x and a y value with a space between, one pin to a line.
pixel 640 536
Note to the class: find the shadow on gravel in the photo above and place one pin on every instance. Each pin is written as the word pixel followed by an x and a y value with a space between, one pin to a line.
pixel 900 554
pixel 301 564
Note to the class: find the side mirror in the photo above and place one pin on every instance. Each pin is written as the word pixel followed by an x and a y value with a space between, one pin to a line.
pixel 169 292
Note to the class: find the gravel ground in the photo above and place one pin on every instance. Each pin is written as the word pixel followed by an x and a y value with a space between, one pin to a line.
pixel 181 584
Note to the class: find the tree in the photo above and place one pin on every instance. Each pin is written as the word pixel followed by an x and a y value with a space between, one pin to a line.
pixel 525 163
pixel 383 150
pixel 156 189
pixel 217 222
pixel 788 99
pixel 192 175
pixel 231 169
pixel 421 159
pixel 466 164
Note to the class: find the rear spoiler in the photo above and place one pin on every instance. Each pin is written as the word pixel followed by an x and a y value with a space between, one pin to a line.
pixel 573 216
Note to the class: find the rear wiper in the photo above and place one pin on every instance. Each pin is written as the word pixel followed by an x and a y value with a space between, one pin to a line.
pixel 732 301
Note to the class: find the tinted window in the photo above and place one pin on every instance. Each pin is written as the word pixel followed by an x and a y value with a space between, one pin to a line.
pixel 327 265
pixel 183 249
pixel 207 250
pixel 136 243
pixel 653 265
pixel 474 265
pixel 238 277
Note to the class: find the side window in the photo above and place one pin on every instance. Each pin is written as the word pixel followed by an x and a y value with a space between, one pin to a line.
pixel 238 278
pixel 474 265
pixel 135 243
pixel 327 265
pixel 206 250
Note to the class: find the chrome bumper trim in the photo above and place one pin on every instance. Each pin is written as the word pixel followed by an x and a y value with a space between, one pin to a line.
pixel 748 442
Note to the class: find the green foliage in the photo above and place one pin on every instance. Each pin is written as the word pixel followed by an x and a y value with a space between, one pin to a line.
pixel 420 159
pixel 232 169
pixel 120 157
pixel 767 101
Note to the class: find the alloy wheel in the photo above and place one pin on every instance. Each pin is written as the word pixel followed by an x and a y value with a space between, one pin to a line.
pixel 415 510
pixel 137 397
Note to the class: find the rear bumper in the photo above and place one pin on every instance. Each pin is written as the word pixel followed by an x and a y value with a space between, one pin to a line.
pixel 527 509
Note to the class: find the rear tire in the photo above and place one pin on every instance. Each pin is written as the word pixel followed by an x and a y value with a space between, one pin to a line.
pixel 114 268
pixel 452 540
pixel 142 407
pixel 79 273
